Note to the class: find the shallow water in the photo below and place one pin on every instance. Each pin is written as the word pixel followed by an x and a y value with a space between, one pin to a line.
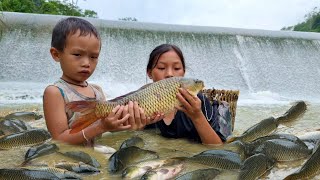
pixel 247 115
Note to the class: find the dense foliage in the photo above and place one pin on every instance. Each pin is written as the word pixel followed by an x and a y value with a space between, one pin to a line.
pixel 311 23
pixel 56 7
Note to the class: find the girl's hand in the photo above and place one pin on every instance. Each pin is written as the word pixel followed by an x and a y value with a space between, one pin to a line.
pixel 138 119
pixel 157 117
pixel 190 105
pixel 114 122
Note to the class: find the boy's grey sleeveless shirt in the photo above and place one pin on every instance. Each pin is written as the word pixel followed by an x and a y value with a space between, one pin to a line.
pixel 70 94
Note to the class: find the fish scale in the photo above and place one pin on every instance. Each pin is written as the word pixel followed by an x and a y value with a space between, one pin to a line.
pixel 283 150
pixel 309 169
pixel 25 138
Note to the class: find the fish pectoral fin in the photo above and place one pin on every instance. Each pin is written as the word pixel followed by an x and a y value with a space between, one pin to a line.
pixel 80 106
pixel 86 116
pixel 83 121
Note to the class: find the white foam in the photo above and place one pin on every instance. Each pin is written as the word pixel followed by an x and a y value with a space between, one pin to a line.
pixel 21 92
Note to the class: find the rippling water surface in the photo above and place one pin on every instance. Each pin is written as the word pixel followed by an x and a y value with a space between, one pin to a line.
pixel 247 115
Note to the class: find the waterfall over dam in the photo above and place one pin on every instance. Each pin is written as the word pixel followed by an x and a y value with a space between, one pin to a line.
pixel 282 62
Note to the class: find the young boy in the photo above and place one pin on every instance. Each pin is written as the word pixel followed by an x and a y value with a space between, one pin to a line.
pixel 76 46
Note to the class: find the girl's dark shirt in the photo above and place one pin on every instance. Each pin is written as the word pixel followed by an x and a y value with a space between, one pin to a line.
pixel 182 126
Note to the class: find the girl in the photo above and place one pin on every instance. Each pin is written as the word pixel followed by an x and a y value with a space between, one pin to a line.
pixel 195 118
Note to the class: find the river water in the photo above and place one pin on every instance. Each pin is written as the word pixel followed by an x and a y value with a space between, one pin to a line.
pixel 246 117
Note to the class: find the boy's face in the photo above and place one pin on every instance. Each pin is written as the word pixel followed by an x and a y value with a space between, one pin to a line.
pixel 79 57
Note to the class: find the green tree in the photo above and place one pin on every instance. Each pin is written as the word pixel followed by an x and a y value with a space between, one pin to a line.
pixel 310 24
pixel 56 7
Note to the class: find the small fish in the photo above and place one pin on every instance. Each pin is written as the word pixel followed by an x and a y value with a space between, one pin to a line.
pixel 263 128
pixel 255 166
pixel 104 149
pixel 257 142
pixel 309 169
pixel 141 168
pixel 288 137
pixel 26 174
pixel 238 147
pixel 24 138
pixel 163 173
pixel 41 150
pixel 24 116
pixel 77 167
pixel 11 126
pixel 127 156
pixel 221 159
pixel 83 157
pixel 296 110
pixel 133 141
pixel 203 174
pixel 156 97
pixel 60 173
pixel 311 137
pixel 283 150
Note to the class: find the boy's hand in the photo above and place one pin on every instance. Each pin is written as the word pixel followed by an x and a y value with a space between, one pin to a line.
pixel 114 122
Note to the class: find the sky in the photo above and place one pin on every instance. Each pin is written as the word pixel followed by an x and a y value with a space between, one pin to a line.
pixel 247 14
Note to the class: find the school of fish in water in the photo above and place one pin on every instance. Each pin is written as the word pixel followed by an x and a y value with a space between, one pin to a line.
pixel 248 156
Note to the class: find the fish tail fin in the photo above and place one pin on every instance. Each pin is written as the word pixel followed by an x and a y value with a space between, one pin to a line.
pixel 86 117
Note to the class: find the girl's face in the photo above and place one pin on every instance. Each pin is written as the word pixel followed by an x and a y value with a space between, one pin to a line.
pixel 79 57
pixel 168 65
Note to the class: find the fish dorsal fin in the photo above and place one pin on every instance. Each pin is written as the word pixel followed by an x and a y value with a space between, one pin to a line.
pixel 125 95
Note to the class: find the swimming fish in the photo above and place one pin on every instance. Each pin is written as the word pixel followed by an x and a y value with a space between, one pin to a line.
pixel 133 141
pixel 139 169
pixel 296 110
pixel 283 150
pixel 255 166
pixel 128 156
pixel 24 138
pixel 203 174
pixel 41 150
pixel 164 172
pixel 155 97
pixel 23 173
pixel 309 169
pixel 222 159
pixel 24 116
pixel 79 167
pixel 263 128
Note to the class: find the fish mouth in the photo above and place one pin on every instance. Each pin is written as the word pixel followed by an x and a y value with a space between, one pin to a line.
pixel 199 83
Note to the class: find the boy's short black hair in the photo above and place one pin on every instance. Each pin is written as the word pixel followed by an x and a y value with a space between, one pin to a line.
pixel 69 26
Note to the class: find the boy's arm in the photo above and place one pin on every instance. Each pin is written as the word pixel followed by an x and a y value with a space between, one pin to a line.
pixel 56 119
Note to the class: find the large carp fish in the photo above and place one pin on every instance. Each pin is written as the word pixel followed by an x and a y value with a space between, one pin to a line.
pixel 155 97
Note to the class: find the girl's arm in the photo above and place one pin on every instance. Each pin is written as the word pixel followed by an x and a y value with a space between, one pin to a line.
pixel 191 106
pixel 57 123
